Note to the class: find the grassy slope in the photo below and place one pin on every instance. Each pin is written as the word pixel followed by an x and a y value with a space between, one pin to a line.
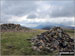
pixel 15 43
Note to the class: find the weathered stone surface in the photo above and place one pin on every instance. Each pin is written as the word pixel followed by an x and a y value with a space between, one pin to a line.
pixel 54 39
pixel 12 27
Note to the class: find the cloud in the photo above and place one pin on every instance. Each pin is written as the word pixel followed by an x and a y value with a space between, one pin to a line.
pixel 34 13
pixel 65 9
pixel 35 22
pixel 32 16
pixel 18 8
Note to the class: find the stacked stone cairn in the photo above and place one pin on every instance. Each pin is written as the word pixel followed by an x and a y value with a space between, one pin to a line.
pixel 12 27
pixel 54 39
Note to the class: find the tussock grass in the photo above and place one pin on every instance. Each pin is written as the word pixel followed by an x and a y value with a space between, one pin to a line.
pixel 15 43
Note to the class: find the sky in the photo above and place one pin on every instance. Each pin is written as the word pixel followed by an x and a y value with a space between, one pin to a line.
pixel 31 13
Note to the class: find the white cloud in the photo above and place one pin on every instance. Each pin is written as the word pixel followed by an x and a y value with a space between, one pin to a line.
pixel 42 6
pixel 17 19
pixel 37 21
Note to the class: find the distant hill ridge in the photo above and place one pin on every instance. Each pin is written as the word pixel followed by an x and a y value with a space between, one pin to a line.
pixel 12 27
pixel 64 27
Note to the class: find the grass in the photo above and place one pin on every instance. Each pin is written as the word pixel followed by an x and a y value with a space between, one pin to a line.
pixel 15 43
pixel 70 32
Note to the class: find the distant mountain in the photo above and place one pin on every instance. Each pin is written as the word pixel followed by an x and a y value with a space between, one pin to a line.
pixel 68 27
pixel 13 27
pixel 65 27
pixel 47 27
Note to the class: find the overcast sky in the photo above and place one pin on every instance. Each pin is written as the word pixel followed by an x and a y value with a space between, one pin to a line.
pixel 33 13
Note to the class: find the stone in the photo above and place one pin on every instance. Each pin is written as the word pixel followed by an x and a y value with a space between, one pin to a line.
pixel 54 39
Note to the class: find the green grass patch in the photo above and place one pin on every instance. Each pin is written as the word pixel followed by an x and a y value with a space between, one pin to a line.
pixel 15 43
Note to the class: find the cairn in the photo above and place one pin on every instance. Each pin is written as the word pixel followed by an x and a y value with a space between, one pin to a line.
pixel 12 27
pixel 54 39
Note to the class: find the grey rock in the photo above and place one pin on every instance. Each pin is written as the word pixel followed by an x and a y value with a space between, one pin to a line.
pixel 54 39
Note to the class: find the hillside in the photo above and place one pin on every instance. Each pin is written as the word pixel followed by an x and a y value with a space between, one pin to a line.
pixel 15 42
